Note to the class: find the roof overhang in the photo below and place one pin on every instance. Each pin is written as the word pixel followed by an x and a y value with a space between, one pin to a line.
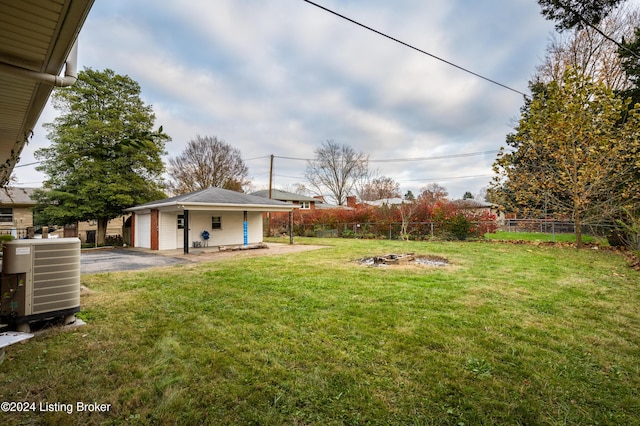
pixel 165 207
pixel 37 37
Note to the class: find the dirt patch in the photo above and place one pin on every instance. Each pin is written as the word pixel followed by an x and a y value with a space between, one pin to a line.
pixel 404 260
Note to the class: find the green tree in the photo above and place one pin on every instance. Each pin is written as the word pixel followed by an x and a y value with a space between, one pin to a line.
pixel 630 59
pixel 570 14
pixel 104 155
pixel 574 154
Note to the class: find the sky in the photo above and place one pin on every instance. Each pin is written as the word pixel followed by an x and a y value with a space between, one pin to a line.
pixel 281 77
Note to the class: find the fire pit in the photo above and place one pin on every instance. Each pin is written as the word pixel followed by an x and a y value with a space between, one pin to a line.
pixel 403 260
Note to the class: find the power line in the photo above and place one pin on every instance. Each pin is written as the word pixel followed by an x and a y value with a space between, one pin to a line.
pixel 440 157
pixel 400 160
pixel 416 48
pixel 446 178
pixel 28 164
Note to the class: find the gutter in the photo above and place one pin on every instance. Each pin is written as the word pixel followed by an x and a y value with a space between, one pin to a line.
pixel 70 71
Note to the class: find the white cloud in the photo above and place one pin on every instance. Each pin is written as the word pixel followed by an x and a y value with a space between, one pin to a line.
pixel 282 77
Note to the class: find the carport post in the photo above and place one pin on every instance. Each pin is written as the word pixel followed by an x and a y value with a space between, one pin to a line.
pixel 186 231
pixel 245 229
pixel 290 226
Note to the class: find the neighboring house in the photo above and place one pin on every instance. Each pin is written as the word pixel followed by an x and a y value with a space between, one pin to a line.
pixel 397 201
pixel 228 217
pixel 16 210
pixel 87 230
pixel 299 201
pixel 16 215
pixel 351 204
pixel 481 207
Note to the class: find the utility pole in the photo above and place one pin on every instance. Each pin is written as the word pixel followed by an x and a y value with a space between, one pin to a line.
pixel 270 192
pixel 271 178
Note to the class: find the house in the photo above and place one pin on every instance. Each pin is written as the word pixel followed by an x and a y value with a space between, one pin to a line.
pixel 87 230
pixel 213 217
pixel 299 201
pixel 16 210
pixel 396 201
pixel 351 204
pixel 480 207
pixel 16 216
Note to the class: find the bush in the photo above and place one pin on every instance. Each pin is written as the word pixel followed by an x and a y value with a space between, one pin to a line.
pixel 6 237
pixel 459 226
pixel 114 240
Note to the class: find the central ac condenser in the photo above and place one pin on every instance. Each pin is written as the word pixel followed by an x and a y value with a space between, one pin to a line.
pixel 40 279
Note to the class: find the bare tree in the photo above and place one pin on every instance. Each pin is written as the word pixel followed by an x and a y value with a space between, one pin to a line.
pixel 588 50
pixel 379 188
pixel 207 162
pixel 296 188
pixel 408 210
pixel 336 168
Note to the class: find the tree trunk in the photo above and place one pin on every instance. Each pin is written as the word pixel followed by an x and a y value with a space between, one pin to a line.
pixel 101 233
pixel 577 223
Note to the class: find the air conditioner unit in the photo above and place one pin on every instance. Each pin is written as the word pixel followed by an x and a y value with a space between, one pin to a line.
pixel 40 280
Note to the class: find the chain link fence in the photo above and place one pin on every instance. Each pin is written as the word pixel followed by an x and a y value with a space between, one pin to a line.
pixel 554 227
pixel 389 230
pixel 439 230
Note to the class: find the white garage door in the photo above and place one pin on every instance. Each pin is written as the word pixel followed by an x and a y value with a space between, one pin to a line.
pixel 143 230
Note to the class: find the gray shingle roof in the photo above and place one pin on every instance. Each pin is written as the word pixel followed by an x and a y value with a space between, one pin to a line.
pixel 277 194
pixel 473 204
pixel 17 196
pixel 214 196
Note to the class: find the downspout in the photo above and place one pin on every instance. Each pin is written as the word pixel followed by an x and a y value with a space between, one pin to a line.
pixel 70 71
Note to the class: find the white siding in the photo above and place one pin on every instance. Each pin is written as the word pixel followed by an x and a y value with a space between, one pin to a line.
pixel 143 231
pixel 232 228
pixel 255 227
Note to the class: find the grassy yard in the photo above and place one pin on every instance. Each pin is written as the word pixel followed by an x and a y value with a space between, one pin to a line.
pixel 543 237
pixel 507 334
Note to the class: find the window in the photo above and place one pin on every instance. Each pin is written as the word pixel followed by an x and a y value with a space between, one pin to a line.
pixel 305 205
pixel 6 214
pixel 216 222
pixel 180 221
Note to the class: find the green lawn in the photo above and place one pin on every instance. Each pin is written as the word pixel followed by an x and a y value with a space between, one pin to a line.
pixel 543 237
pixel 508 334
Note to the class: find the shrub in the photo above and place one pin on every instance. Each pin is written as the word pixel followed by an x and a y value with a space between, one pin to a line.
pixel 114 240
pixel 459 226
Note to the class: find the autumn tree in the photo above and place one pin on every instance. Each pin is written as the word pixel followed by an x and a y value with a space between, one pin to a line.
pixel 336 168
pixel 433 193
pixel 105 154
pixel 207 162
pixel 572 154
pixel 379 188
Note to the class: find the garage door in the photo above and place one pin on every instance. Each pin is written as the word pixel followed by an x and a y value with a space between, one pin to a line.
pixel 143 230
